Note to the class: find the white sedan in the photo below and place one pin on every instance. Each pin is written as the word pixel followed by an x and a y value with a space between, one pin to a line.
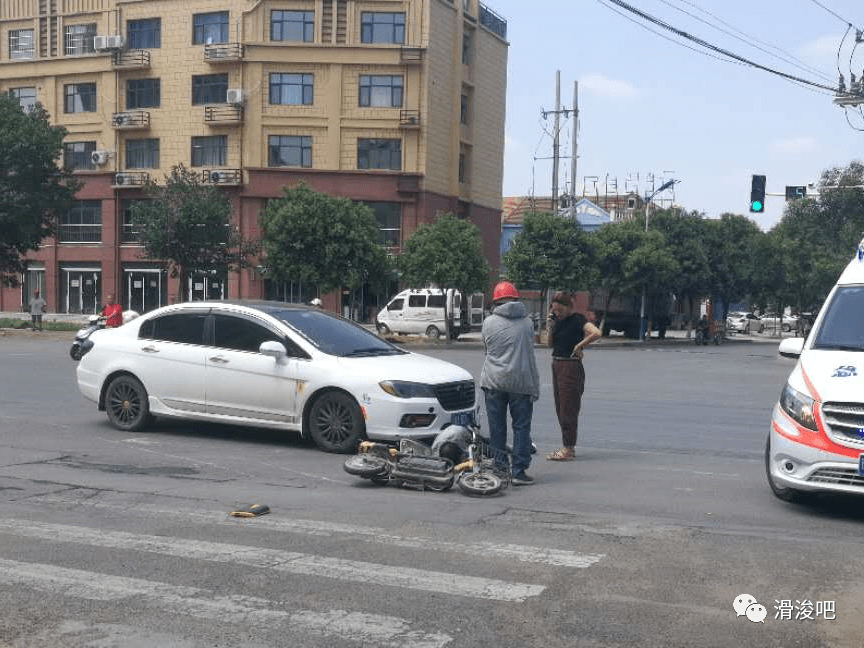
pixel 269 364
pixel 785 322
pixel 744 322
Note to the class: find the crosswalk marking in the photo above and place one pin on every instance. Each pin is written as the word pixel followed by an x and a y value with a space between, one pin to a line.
pixel 522 553
pixel 285 561
pixel 369 629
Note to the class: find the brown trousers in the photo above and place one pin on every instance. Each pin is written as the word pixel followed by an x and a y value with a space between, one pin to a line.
pixel 568 381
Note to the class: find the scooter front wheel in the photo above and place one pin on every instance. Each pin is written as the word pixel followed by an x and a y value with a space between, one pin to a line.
pixel 365 465
pixel 480 483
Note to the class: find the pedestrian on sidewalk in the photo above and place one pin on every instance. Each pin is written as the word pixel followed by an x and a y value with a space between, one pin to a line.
pixel 37 307
pixel 569 333
pixel 510 378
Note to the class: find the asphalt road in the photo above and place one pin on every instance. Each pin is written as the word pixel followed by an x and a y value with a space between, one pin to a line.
pixel 664 519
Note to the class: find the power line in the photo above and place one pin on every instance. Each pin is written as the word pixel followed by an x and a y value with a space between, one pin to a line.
pixel 747 39
pixel 719 50
pixel 840 18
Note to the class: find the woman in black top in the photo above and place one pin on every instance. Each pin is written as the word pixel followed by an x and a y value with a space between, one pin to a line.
pixel 569 333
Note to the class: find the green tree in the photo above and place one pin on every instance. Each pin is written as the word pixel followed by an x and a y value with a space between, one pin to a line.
pixel 550 251
pixel 685 238
pixel 321 240
pixel 730 243
pixel 447 253
pixel 188 225
pixel 33 188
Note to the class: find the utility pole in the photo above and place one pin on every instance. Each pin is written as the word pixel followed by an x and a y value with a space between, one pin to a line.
pixel 555 142
pixel 573 148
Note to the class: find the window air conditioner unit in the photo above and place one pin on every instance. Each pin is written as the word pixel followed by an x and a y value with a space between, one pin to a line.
pixel 234 96
pixel 99 157
pixel 124 179
pixel 115 42
pixel 121 119
pixel 100 43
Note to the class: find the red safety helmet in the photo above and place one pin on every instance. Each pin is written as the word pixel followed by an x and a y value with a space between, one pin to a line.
pixel 503 290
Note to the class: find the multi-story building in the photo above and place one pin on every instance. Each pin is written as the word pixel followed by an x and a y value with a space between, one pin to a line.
pixel 399 104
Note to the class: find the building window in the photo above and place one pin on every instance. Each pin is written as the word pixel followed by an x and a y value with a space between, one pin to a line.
pixel 26 97
pixel 209 89
pixel 467 37
pixel 291 89
pixel 381 27
pixel 79 39
pixel 389 218
pixel 379 154
pixel 210 28
pixel 210 150
pixel 290 150
pixel 381 91
pixel 292 26
pixel 79 97
pixel 77 155
pixel 21 44
pixel 463 109
pixel 82 223
pixel 142 154
pixel 130 232
pixel 142 93
pixel 144 34
pixel 463 162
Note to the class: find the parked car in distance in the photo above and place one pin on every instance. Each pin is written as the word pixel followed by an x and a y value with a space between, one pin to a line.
pixel 744 322
pixel 785 323
pixel 274 365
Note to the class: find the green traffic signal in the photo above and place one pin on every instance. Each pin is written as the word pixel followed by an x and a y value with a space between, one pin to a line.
pixel 757 194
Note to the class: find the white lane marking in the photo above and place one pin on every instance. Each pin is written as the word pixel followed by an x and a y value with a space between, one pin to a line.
pixel 522 553
pixel 370 629
pixel 285 561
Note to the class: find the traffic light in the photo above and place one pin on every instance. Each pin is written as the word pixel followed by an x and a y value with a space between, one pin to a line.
pixel 757 194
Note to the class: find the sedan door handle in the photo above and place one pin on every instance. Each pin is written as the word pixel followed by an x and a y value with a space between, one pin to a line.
pixel 219 359
pixel 150 349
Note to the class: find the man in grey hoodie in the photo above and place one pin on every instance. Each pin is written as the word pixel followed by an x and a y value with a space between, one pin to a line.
pixel 509 377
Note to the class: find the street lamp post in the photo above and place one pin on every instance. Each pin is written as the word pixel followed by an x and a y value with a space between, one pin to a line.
pixel 643 322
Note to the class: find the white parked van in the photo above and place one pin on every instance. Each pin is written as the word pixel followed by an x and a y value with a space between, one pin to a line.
pixel 816 439
pixel 420 311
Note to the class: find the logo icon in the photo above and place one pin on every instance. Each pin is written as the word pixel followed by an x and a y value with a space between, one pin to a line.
pixel 845 371
pixel 746 605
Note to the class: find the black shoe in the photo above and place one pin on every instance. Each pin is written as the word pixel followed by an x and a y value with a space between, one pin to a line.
pixel 522 479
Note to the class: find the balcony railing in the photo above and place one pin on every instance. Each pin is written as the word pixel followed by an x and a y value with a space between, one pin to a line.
pixel 220 114
pixel 223 52
pixel 131 120
pixel 222 176
pixel 492 21
pixel 132 59
pixel 130 179
pixel 409 119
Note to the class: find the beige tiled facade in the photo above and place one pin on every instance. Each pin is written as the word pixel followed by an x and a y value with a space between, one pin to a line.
pixel 444 114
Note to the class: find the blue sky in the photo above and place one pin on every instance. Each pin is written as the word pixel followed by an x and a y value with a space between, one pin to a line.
pixel 649 105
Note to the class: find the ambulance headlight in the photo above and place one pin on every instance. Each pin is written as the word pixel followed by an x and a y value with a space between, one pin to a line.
pixel 799 406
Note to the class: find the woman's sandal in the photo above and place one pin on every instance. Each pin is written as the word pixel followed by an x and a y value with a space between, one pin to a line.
pixel 561 454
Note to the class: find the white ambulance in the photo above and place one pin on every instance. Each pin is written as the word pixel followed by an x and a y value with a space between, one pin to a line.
pixel 816 440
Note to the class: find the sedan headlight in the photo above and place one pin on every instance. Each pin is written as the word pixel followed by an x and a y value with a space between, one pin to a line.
pixel 799 406
pixel 405 389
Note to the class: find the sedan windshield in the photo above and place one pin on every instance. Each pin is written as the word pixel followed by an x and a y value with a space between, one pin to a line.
pixel 335 336
pixel 842 326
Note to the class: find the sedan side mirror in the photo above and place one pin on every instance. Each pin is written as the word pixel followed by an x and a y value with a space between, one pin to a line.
pixel 791 347
pixel 273 349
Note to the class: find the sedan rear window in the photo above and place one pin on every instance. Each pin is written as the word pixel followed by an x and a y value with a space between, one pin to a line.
pixel 187 328
pixel 335 336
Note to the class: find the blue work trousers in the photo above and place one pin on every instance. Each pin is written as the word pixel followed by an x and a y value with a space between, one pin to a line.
pixel 521 408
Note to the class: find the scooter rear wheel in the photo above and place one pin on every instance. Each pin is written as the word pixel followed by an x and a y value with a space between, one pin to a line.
pixel 365 465
pixel 480 483
pixel 75 352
